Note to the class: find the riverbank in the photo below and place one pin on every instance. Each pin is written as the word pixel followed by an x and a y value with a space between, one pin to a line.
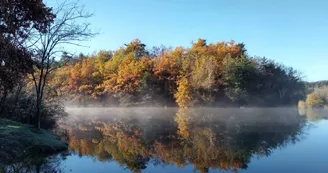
pixel 20 140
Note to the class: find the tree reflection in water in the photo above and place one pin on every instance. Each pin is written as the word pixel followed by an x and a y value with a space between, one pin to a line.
pixel 35 164
pixel 315 114
pixel 223 139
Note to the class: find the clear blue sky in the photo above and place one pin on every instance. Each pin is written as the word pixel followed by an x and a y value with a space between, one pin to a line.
pixel 292 32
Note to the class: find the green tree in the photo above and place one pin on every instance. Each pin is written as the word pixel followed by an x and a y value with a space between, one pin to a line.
pixel 239 76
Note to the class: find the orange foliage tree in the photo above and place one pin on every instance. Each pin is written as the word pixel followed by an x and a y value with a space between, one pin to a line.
pixel 186 77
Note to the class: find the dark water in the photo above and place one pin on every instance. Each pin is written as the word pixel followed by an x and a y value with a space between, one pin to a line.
pixel 191 140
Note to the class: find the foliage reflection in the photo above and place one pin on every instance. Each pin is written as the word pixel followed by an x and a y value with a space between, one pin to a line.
pixel 223 139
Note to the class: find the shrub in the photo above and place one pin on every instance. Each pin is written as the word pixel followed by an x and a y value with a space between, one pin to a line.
pixel 314 101
pixel 301 104
pixel 22 109
pixel 322 92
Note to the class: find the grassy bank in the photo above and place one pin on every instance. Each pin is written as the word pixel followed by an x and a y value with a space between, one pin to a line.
pixel 19 140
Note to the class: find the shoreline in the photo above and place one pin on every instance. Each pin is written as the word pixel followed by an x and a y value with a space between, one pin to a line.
pixel 19 140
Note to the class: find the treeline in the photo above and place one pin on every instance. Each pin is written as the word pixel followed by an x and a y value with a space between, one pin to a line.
pixel 312 85
pixel 318 97
pixel 215 74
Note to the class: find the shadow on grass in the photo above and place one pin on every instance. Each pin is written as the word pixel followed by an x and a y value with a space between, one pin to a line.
pixel 19 141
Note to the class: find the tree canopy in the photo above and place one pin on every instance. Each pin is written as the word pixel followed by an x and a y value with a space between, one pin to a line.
pixel 17 19
pixel 215 74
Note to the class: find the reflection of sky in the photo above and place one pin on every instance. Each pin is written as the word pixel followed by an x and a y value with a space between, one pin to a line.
pixel 307 156
pixel 310 155
pixel 76 164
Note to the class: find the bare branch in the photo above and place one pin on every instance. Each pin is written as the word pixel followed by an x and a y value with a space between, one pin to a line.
pixel 67 29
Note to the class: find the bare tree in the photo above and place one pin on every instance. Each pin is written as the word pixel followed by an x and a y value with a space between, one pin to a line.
pixel 68 28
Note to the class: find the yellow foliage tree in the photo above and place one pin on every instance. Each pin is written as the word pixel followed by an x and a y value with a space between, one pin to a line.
pixel 313 101
pixel 168 68
pixel 184 94
pixel 301 104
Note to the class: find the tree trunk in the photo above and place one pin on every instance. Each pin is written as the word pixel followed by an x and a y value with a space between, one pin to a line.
pixel 17 94
pixel 2 101
pixel 38 110
pixel 38 168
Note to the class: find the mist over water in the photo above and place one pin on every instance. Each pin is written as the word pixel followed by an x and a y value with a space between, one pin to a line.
pixel 199 139
pixel 176 140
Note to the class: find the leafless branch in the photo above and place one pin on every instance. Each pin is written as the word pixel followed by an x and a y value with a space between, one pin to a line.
pixel 68 29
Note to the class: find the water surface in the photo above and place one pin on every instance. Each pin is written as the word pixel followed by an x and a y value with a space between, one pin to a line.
pixel 192 140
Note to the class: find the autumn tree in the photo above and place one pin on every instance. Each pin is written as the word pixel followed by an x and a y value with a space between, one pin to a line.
pixel 203 71
pixel 126 73
pixel 212 74
pixel 313 101
pixel 207 68
pixel 184 93
pixel 322 92
pixel 17 19
pixel 167 70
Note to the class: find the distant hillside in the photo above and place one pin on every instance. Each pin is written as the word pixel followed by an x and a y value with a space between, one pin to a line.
pixel 311 85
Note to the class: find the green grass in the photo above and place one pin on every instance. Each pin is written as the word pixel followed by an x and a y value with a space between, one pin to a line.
pixel 20 140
